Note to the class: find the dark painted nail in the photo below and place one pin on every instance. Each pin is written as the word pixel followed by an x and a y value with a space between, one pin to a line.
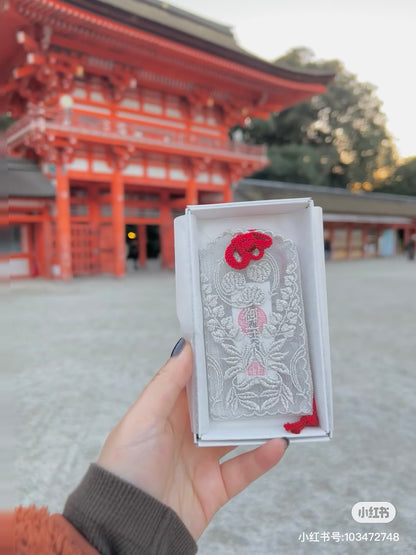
pixel 287 441
pixel 178 348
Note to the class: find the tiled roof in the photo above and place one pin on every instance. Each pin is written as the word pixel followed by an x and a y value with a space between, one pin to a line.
pixel 331 199
pixel 23 178
pixel 170 22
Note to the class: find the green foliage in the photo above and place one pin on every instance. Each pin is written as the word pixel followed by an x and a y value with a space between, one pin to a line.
pixel 403 179
pixel 333 139
pixel 5 121
pixel 298 163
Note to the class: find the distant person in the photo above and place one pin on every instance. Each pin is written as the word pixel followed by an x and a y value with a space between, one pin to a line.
pixel 327 246
pixel 411 246
pixel 133 253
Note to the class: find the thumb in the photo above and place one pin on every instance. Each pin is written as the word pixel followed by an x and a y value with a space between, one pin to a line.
pixel 160 395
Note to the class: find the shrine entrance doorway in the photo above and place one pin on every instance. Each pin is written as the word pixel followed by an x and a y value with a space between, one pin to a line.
pixel 84 250
pixel 142 243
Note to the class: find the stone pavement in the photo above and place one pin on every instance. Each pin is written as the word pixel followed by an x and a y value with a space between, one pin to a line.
pixel 80 352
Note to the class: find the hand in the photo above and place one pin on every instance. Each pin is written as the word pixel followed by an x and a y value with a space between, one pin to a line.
pixel 152 448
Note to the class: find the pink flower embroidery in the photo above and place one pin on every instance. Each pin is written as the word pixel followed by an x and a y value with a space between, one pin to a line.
pixel 251 320
pixel 255 369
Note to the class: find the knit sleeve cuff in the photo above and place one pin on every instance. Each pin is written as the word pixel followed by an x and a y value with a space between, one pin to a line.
pixel 116 517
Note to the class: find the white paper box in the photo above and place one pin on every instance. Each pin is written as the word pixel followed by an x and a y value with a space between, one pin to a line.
pixel 294 219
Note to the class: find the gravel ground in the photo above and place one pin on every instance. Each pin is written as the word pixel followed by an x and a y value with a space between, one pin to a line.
pixel 80 352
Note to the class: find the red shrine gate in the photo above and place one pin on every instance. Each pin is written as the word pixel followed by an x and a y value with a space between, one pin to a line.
pixel 130 121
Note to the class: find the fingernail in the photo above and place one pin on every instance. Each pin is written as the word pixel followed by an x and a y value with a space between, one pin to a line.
pixel 178 348
pixel 287 441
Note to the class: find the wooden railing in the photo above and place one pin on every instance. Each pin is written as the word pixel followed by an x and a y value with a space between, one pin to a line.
pixel 116 131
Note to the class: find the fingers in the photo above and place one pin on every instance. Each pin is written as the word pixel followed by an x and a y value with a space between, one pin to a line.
pixel 160 395
pixel 239 472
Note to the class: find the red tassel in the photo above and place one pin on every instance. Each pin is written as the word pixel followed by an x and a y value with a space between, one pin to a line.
pixel 303 422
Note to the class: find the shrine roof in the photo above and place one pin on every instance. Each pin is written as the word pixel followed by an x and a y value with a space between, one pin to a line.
pixel 333 200
pixel 176 24
pixel 23 178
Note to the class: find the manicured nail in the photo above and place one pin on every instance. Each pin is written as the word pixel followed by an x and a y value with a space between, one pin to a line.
pixel 178 348
pixel 287 442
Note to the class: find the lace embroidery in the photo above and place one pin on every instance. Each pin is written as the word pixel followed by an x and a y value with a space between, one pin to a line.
pixel 254 331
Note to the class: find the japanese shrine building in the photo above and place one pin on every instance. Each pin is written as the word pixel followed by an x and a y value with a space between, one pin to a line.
pixel 125 108
pixel 357 225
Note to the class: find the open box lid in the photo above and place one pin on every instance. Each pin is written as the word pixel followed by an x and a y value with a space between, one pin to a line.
pixel 296 220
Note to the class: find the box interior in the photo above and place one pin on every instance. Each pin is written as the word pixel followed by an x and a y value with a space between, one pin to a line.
pixel 299 221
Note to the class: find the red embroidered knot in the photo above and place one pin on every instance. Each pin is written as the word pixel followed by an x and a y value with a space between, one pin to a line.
pixel 246 247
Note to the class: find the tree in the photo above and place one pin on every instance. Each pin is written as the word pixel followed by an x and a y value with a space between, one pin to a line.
pixel 402 181
pixel 334 139
pixel 5 121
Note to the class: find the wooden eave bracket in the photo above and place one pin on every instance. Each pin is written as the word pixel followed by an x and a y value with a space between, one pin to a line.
pixel 122 155
pixel 28 43
pixel 85 20
pixel 35 59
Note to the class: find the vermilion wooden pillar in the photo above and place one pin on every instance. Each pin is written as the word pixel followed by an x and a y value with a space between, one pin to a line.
pixel 63 222
pixel 191 193
pixel 192 187
pixel 166 232
pixel 117 209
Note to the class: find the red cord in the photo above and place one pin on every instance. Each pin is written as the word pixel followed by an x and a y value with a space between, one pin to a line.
pixel 307 420
pixel 249 246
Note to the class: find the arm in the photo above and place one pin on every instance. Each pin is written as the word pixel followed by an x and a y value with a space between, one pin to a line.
pixel 113 515
pixel 116 517
pixel 153 490
pixel 170 488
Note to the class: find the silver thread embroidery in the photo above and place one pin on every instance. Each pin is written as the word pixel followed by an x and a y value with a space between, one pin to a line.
pixel 255 334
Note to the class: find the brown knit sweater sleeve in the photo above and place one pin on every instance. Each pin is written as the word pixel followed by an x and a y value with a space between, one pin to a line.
pixel 120 519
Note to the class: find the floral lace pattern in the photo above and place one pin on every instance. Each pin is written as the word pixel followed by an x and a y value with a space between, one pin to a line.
pixel 254 331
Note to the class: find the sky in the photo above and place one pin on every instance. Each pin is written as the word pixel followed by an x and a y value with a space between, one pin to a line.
pixel 375 39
